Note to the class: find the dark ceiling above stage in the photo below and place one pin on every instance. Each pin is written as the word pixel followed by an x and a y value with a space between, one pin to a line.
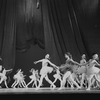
pixel 88 15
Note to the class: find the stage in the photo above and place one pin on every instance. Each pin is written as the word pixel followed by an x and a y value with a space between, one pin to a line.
pixel 43 90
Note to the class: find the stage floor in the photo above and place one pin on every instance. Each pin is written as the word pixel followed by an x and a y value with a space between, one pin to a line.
pixel 43 90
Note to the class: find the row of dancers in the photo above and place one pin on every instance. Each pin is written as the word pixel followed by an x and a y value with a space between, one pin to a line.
pixel 84 74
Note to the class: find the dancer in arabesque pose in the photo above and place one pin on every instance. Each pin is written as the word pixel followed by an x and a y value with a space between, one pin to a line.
pixel 34 78
pixel 45 70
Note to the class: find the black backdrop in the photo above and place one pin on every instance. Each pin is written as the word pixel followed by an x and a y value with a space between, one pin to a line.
pixel 58 26
pixel 73 26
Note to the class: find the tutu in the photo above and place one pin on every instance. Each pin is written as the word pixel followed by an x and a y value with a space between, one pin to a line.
pixel 32 77
pixel 82 69
pixel 46 70
pixel 93 70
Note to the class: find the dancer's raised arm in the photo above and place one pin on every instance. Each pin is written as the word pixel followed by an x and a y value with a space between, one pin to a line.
pixel 38 61
pixel 9 70
pixel 53 64
pixel 75 62
pixel 84 64
pixel 96 63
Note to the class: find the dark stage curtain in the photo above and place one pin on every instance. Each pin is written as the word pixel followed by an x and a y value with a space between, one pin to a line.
pixel 29 27
pixel 20 26
pixel 88 18
pixel 7 32
pixel 61 30
pixel 71 26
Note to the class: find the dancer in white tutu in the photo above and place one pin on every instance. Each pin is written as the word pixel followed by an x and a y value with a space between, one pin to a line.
pixel 69 64
pixel 69 75
pixel 3 77
pixel 70 78
pixel 34 78
pixel 45 70
pixel 19 80
pixel 83 69
pixel 92 70
pixel 57 76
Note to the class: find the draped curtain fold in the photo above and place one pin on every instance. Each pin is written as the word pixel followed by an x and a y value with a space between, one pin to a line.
pixel 61 30
pixel 7 33
pixel 20 26
pixel 88 18
pixel 29 25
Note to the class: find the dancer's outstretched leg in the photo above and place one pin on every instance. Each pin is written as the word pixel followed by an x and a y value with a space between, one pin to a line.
pixel 16 84
pixel 74 82
pixel 40 81
pixel 63 82
pixel 62 86
pixel 5 84
pixel 49 81
pixel 29 83
pixel 23 83
pixel 72 87
pixel 97 84
pixel 89 82
pixel 35 83
pixel 71 84
pixel 13 83
pixel 97 76
pixel 82 80
pixel 1 80
pixel 53 82
pixel 19 85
